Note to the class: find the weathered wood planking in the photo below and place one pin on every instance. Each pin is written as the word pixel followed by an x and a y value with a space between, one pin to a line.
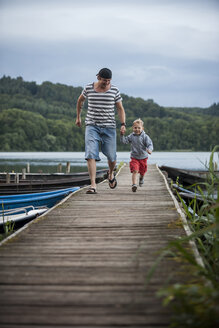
pixel 84 263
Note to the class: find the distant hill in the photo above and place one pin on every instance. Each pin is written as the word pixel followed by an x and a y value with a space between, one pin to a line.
pixel 42 118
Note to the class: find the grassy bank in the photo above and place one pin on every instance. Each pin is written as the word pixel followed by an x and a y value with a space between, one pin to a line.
pixel 195 303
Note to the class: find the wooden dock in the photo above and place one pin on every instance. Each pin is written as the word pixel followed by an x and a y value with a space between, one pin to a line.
pixel 84 263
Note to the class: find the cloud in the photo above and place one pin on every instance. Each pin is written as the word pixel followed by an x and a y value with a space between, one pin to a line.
pixel 155 48
pixel 168 27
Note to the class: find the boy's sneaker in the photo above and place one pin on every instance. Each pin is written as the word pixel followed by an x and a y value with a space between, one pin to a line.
pixel 134 187
pixel 141 181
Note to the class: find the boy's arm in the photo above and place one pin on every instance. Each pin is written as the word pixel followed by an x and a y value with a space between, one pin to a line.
pixel 125 140
pixel 149 144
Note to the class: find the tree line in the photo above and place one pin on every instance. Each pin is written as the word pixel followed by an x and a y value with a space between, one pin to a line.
pixel 42 118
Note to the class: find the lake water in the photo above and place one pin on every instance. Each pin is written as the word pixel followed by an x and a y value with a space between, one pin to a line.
pixel 48 161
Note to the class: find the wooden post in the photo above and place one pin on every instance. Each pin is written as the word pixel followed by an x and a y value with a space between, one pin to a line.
pixel 24 174
pixel 59 168
pixel 8 178
pixel 28 167
pixel 17 178
pixel 68 167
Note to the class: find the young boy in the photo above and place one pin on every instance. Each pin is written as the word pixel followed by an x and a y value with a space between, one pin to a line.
pixel 141 146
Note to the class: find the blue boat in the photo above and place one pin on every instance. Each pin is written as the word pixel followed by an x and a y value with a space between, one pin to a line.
pixel 33 195
pixel 48 199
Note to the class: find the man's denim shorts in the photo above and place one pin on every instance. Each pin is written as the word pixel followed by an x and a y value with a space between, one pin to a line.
pixel 95 136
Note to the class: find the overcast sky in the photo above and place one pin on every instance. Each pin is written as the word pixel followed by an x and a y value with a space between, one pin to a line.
pixel 165 50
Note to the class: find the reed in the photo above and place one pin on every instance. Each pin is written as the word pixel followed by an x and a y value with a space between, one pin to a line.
pixel 8 226
pixel 195 303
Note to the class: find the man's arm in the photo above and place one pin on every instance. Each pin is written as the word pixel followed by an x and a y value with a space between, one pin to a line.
pixel 80 103
pixel 121 113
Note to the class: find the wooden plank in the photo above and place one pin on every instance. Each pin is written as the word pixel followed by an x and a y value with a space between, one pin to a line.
pixel 85 262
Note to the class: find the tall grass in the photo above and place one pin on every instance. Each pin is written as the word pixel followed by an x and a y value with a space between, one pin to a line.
pixel 8 226
pixel 195 303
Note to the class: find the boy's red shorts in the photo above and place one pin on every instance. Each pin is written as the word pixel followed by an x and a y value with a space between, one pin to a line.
pixel 139 165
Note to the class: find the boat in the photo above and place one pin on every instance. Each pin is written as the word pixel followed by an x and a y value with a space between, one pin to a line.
pixel 51 176
pixel 186 177
pixel 20 214
pixel 180 189
pixel 39 182
pixel 16 218
pixel 188 195
pixel 48 199
pixel 34 195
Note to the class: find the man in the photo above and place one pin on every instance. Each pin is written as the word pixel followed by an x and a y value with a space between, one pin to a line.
pixel 100 124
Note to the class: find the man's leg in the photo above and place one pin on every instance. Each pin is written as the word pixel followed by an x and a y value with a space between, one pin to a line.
pixel 91 165
pixel 92 151
pixel 112 166
pixel 108 147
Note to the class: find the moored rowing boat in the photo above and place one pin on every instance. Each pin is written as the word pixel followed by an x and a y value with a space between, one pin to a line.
pixel 35 183
pixel 48 199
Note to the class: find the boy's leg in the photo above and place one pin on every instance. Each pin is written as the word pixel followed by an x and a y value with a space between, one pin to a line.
pixel 142 171
pixel 134 177
pixel 141 180
pixel 134 168
pixel 134 181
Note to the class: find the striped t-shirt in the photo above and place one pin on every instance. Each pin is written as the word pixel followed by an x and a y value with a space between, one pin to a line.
pixel 101 105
